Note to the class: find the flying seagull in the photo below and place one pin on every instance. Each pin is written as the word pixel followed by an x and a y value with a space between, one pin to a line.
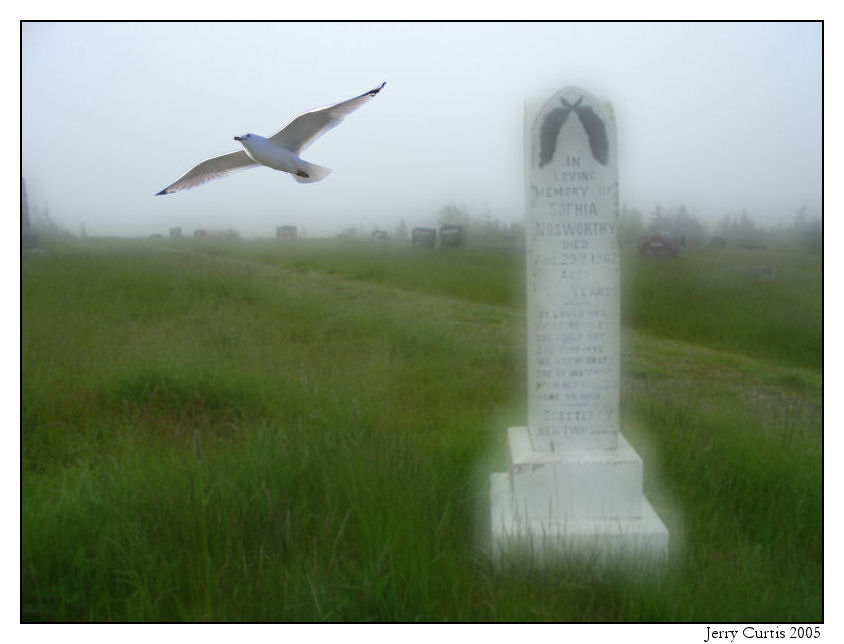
pixel 280 151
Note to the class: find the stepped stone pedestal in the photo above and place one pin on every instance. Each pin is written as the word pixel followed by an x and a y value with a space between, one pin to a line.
pixel 583 503
pixel 574 484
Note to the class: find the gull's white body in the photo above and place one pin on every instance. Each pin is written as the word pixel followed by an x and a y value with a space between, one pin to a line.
pixel 280 151
pixel 269 154
pixel 278 157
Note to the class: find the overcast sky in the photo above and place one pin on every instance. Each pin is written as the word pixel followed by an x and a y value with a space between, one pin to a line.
pixel 716 116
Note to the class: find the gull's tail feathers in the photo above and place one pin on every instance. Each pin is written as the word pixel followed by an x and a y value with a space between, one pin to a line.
pixel 310 173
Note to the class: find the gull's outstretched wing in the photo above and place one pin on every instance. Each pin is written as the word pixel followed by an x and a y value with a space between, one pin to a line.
pixel 213 168
pixel 307 127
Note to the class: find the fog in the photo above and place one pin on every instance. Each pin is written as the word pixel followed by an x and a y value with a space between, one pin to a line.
pixel 719 117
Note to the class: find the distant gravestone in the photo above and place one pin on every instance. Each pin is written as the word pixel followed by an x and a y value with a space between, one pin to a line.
pixel 286 232
pixel 662 245
pixel 424 237
pixel 574 485
pixel 453 237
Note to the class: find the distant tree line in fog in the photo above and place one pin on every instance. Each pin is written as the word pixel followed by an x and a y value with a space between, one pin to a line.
pixel 803 232
pixel 43 224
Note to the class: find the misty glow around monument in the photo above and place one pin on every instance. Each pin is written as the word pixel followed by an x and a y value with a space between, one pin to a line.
pixel 574 484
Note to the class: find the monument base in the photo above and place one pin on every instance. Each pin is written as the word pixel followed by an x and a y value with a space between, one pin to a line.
pixel 585 504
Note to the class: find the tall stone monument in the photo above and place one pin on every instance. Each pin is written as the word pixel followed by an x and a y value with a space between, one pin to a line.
pixel 574 485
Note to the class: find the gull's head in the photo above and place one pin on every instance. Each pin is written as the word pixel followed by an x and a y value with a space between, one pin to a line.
pixel 244 137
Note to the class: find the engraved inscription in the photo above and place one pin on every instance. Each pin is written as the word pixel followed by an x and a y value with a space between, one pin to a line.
pixel 573 283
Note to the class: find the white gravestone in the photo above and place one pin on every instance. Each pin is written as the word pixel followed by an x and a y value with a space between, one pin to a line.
pixel 574 484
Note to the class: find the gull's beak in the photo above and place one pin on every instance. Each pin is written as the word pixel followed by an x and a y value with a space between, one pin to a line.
pixel 237 138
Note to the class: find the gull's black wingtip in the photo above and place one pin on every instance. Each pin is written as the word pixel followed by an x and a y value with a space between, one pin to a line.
pixel 163 192
pixel 373 92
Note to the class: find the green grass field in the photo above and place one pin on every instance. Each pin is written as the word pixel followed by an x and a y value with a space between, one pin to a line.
pixel 258 431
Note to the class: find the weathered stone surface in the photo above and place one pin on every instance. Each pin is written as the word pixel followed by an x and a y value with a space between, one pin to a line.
pixel 573 275
pixel 574 484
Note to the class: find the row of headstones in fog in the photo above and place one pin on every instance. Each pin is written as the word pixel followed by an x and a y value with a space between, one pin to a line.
pixel 669 244
pixel 199 233
pixel 449 236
